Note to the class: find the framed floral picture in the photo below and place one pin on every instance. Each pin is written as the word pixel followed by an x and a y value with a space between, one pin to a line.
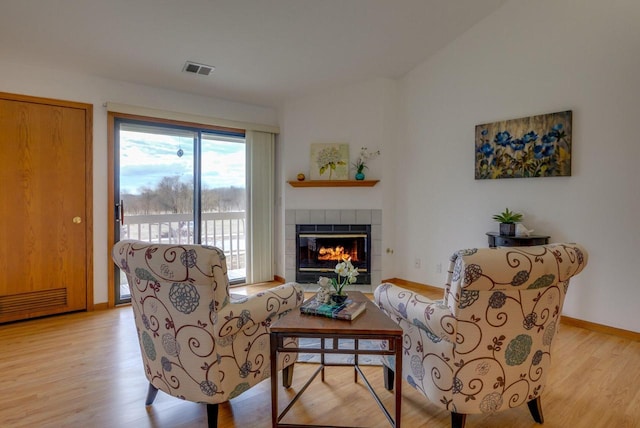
pixel 329 161
pixel 534 146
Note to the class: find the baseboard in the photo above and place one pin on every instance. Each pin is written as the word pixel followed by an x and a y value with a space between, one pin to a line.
pixel 415 286
pixel 364 288
pixel 587 325
pixel 100 306
pixel 279 279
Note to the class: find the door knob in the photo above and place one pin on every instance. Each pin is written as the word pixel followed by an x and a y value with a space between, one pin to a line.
pixel 77 220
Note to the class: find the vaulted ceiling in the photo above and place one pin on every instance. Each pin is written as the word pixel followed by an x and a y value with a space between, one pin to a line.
pixel 264 51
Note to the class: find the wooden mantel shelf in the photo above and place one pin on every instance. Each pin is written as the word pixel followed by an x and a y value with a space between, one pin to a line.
pixel 333 183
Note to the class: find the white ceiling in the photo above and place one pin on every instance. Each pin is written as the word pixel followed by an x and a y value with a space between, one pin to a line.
pixel 264 51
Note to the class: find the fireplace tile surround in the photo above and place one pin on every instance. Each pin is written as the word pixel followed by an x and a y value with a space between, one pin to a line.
pixel 335 216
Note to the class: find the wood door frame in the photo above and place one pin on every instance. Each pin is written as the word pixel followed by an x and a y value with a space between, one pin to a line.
pixel 88 190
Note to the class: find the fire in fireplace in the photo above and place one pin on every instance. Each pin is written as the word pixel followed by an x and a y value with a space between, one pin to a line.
pixel 320 247
pixel 336 253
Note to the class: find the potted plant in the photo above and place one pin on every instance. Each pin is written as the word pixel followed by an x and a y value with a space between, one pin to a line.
pixel 361 164
pixel 508 220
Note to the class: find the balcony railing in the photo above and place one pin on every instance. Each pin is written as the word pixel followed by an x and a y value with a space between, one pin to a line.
pixel 223 230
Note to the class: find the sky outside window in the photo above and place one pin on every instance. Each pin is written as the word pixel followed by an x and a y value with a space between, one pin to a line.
pixel 148 157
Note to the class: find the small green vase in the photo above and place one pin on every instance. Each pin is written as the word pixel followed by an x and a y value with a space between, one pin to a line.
pixel 359 176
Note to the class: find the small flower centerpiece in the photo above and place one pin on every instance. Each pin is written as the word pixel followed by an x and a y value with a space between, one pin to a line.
pixel 361 163
pixel 334 287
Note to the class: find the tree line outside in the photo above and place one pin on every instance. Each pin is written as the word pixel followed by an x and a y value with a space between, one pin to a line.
pixel 173 196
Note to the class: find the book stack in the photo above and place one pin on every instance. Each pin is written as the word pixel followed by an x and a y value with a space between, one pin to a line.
pixel 348 310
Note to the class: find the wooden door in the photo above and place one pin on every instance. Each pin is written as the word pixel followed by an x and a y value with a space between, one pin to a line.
pixel 45 207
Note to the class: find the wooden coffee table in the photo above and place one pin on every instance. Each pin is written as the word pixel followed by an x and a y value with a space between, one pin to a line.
pixel 372 324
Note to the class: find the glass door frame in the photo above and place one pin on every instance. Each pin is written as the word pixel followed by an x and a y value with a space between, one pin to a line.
pixel 115 212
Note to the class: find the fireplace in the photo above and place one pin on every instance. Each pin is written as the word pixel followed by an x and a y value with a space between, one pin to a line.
pixel 319 247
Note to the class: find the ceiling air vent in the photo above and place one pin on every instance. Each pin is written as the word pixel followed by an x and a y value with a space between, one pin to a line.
pixel 195 68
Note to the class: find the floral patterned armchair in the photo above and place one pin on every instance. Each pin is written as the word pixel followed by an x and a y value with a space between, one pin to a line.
pixel 486 346
pixel 197 342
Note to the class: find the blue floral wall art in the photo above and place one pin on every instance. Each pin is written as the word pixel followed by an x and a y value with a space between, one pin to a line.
pixel 534 146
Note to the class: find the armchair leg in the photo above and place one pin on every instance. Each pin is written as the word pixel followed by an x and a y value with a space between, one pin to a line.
pixel 535 407
pixel 287 376
pixel 151 394
pixel 388 375
pixel 458 420
pixel 212 415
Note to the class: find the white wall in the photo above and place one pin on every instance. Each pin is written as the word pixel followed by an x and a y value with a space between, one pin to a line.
pixel 527 58
pixel 531 58
pixel 362 114
pixel 26 80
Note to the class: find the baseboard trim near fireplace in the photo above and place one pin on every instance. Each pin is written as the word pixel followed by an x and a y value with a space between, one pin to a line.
pixel 312 287
pixel 364 288
pixel 587 325
pixel 414 286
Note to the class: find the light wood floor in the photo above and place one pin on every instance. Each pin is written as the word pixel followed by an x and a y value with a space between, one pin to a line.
pixel 84 370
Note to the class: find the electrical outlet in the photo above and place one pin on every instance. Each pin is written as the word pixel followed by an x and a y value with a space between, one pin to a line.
pixel 439 268
pixel 417 263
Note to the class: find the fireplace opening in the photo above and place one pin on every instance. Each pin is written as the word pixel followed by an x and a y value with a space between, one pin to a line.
pixel 320 247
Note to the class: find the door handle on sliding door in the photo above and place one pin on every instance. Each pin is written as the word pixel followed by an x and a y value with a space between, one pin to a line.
pixel 120 212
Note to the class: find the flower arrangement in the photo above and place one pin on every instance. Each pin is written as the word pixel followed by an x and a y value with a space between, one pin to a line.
pixel 347 274
pixel 361 163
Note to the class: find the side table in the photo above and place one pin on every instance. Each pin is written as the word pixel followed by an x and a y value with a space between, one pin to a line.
pixel 497 240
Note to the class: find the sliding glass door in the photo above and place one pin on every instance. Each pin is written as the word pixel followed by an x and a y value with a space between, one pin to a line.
pixel 223 202
pixel 180 185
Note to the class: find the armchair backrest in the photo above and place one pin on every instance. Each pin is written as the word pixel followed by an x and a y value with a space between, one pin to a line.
pixel 510 271
pixel 198 343
pixel 487 346
pixel 506 304
pixel 175 292
pixel 174 263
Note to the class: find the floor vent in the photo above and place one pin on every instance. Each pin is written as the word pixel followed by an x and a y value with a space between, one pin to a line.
pixel 32 302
